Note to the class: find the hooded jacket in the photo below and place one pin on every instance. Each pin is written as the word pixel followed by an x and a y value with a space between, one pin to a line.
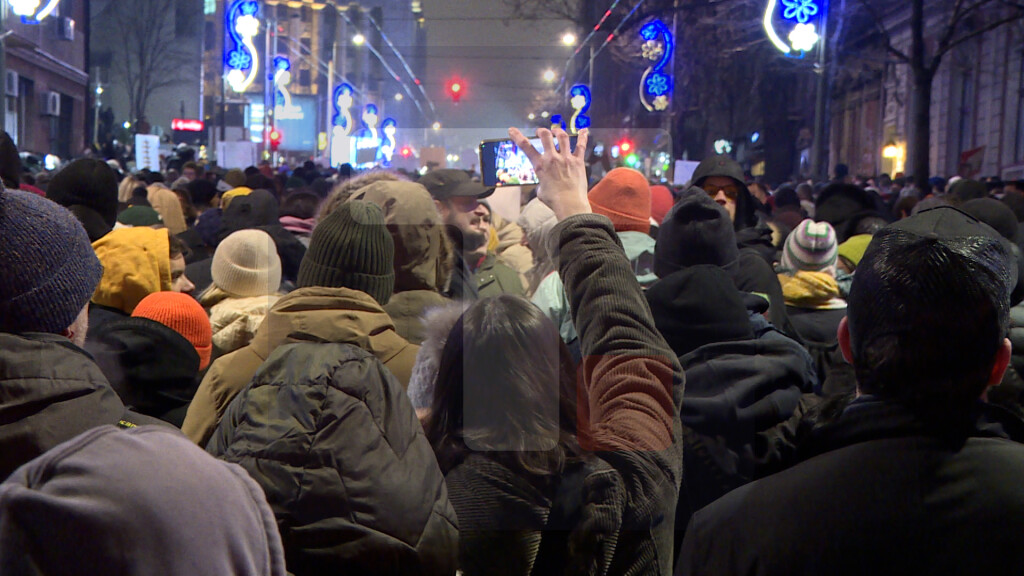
pixel 166 202
pixel 51 391
pixel 234 321
pixel 153 369
pixel 136 503
pixel 749 223
pixel 136 263
pixel 422 251
pixel 743 378
pixel 330 436
pixel 326 314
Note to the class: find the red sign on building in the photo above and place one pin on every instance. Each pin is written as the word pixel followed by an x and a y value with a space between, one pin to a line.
pixel 187 125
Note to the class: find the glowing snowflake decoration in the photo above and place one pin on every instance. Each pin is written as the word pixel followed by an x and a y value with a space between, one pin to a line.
pixel 799 10
pixel 652 50
pixel 657 84
pixel 24 7
pixel 661 103
pixel 247 26
pixel 803 37
pixel 236 79
pixel 239 60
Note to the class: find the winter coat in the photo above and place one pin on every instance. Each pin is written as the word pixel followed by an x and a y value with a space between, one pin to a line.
pixel 328 314
pixel 630 393
pixel 235 320
pixel 406 310
pixel 330 436
pixel 950 503
pixel 462 282
pixel 153 369
pixel 166 202
pixel 50 392
pixel 550 295
pixel 494 277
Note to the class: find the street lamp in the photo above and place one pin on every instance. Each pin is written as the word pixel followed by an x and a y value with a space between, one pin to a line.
pixel 436 126
pixel 569 39
pixel 531 116
pixel 398 97
pixel 544 114
pixel 549 75
pixel 359 39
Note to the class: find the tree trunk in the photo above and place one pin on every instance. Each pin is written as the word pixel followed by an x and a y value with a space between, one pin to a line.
pixel 920 127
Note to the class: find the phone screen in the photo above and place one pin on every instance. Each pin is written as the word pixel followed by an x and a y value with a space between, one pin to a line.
pixel 502 163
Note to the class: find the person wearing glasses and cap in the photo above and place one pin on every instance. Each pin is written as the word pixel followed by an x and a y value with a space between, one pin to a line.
pixel 722 178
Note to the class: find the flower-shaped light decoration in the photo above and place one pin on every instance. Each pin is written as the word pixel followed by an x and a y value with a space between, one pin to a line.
pixel 580 103
pixel 799 10
pixel 652 50
pixel 343 100
pixel 803 37
pixel 661 103
pixel 239 60
pixel 24 7
pixel 242 26
pixel 657 48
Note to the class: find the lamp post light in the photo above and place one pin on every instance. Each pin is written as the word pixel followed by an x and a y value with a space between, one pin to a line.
pixel 549 75
pixel 359 39
pixel 569 39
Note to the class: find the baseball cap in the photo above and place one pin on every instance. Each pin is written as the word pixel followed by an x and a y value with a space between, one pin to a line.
pixel 449 183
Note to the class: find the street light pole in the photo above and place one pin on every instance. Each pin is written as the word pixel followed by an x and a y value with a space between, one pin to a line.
pixel 819 163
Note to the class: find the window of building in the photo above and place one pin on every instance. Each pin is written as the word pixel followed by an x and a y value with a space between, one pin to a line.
pixel 209 7
pixel 965 130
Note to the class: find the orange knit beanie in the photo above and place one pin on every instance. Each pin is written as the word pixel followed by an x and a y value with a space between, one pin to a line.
pixel 624 196
pixel 181 313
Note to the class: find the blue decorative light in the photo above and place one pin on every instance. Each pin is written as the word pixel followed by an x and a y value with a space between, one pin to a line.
pixel 580 102
pixel 343 100
pixel 282 77
pixel 388 144
pixel 240 55
pixel 799 10
pixel 656 83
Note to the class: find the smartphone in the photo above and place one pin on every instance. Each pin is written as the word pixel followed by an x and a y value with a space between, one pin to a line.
pixel 502 163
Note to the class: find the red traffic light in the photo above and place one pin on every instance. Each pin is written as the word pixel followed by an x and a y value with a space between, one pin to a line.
pixel 456 87
pixel 625 146
pixel 405 151
pixel 275 139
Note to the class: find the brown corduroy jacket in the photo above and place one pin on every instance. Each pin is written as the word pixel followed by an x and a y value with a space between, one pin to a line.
pixel 326 314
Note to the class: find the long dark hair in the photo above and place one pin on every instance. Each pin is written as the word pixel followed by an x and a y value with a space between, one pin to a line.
pixel 506 388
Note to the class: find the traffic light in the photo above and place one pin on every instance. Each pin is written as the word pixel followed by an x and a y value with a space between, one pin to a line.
pixel 626 146
pixel 456 87
pixel 275 139
pixel 405 152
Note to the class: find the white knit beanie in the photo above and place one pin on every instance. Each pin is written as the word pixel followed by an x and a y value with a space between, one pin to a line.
pixel 811 247
pixel 246 264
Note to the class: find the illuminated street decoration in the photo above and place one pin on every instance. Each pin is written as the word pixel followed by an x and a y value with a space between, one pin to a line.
pixel 30 12
pixel 283 107
pixel 796 16
pixel 240 55
pixel 343 101
pixel 580 103
pixel 387 146
pixel 370 119
pixel 656 84
pixel 723 147
pixel 557 122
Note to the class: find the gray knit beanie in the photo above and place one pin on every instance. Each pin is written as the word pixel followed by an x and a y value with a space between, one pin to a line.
pixel 351 248
pixel 48 270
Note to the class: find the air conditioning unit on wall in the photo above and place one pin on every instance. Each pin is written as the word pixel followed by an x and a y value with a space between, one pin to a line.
pixel 66 29
pixel 11 83
pixel 50 105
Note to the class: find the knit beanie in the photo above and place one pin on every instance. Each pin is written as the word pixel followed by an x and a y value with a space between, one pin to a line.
pixel 661 202
pixel 136 263
pixel 48 270
pixel 235 178
pixel 351 248
pixel 89 188
pixel 181 313
pixel 624 196
pixel 853 249
pixel 811 247
pixel 246 264
pixel 696 231
pixel 139 216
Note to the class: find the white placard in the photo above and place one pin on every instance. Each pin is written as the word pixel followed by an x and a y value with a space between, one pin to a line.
pixel 683 172
pixel 147 152
pixel 239 155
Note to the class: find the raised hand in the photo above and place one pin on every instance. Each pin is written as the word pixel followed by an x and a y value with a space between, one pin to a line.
pixel 562 173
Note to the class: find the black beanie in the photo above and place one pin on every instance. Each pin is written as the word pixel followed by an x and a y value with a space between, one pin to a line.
pixel 351 248
pixel 87 184
pixel 696 231
pixel 698 306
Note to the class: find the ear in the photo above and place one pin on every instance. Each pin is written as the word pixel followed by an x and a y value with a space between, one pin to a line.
pixel 441 208
pixel 843 333
pixel 1001 363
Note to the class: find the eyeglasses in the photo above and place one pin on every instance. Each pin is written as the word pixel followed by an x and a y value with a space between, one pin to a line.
pixel 732 191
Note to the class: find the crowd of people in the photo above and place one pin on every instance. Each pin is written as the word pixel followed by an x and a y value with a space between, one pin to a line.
pixel 298 371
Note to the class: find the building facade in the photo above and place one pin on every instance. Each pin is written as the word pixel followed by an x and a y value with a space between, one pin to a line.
pixel 46 85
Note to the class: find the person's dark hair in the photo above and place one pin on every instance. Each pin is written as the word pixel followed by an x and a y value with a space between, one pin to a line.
pixel 140 192
pixel 258 181
pixel 203 192
pixel 505 388
pixel 842 171
pixel 904 207
pixel 786 196
pixel 869 225
pixel 1015 201
pixel 250 170
pixel 176 246
pixel 300 205
pixel 927 319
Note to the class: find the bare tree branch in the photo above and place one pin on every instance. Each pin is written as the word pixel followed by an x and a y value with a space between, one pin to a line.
pixel 943 50
pixel 879 24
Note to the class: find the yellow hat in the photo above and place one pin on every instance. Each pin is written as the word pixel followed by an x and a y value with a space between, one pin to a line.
pixel 136 263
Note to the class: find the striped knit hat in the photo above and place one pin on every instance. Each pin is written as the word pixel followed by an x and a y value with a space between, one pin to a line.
pixel 181 313
pixel 811 247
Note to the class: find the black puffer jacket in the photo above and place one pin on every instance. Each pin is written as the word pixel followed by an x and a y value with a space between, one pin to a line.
pixel 50 392
pixel 331 437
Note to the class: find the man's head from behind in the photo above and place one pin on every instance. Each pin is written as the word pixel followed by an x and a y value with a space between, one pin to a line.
pixel 49 270
pixel 929 311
